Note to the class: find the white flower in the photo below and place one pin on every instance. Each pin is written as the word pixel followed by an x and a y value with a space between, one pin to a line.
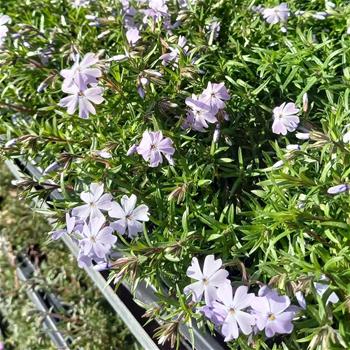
pixel 95 202
pixel 285 118
pixel 209 281
pixel 276 14
pixel 130 218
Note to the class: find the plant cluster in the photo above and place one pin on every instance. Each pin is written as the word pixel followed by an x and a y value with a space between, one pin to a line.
pixel 240 112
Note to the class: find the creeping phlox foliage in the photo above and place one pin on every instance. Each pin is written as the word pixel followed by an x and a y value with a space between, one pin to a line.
pixel 229 120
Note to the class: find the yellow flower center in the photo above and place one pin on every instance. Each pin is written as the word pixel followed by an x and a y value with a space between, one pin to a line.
pixel 272 317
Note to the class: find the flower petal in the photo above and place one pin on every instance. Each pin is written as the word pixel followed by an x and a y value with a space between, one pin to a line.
pixel 245 321
pixel 194 271
pixel 211 265
pixel 197 290
pixel 134 227
pixel 141 213
pixel 119 226
pixel 105 202
pixel 83 211
pixel 116 211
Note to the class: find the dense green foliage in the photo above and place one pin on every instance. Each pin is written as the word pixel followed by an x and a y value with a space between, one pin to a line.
pixel 221 198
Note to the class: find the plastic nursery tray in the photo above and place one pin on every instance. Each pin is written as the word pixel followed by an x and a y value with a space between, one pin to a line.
pixel 44 302
pixel 125 307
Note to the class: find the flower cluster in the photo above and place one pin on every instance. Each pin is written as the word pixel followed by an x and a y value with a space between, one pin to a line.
pixel 88 225
pixel 206 107
pixel 238 312
pixel 80 82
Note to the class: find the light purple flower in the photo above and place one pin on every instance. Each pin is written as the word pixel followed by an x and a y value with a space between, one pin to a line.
pixel 285 118
pixel 97 239
pixel 276 14
pixel 271 312
pixel 130 217
pixel 141 91
pixel 209 281
pixel 95 202
pixel 154 146
pixel 172 56
pixel 235 318
pixel 191 123
pixel 202 112
pixel 82 73
pixel 338 189
pixel 215 96
pixel 82 99
pixel 133 36
pixel 157 9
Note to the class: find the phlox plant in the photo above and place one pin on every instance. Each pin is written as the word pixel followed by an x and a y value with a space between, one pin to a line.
pixel 206 140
